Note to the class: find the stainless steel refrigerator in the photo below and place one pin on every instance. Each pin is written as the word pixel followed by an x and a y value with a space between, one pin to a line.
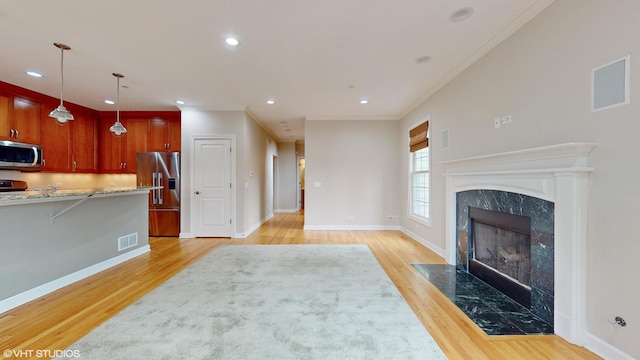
pixel 161 169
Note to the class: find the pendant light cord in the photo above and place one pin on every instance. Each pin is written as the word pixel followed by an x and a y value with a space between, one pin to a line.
pixel 118 101
pixel 61 75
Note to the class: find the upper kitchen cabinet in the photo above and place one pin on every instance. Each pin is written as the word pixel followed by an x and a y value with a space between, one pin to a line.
pixel 26 120
pixel 72 147
pixel 117 154
pixel 19 119
pixel 5 126
pixel 164 132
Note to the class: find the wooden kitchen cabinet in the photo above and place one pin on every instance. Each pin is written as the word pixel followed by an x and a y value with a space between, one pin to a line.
pixel 84 140
pixel 19 119
pixel 164 134
pixel 26 120
pixel 5 107
pixel 71 147
pixel 117 154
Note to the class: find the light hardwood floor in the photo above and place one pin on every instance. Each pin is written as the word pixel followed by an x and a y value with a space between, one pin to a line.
pixel 57 320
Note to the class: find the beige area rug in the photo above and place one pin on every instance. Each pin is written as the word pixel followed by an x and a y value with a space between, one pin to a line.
pixel 269 302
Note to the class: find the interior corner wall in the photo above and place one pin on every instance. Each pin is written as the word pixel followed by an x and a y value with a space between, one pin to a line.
pixel 287 175
pixel 210 123
pixel 259 149
pixel 541 76
pixel 352 174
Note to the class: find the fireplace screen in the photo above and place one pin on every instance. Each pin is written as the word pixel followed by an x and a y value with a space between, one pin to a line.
pixel 500 252
pixel 506 251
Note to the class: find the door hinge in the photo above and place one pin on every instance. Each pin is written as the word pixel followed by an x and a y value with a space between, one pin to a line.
pixel 229 221
pixel 230 185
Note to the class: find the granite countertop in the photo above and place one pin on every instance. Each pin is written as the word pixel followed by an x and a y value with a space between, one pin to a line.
pixel 61 194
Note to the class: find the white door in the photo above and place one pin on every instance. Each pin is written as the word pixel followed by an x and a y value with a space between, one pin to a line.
pixel 212 188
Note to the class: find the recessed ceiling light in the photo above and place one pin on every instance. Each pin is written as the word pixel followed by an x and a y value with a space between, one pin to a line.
pixel 231 41
pixel 364 101
pixel 179 102
pixel 423 59
pixel 271 102
pixel 34 74
pixel 461 14
pixel 110 102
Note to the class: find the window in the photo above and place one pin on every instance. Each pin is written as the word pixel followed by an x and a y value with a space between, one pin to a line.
pixel 419 168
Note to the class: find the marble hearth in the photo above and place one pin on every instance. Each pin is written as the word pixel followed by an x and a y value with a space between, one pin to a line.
pixel 556 175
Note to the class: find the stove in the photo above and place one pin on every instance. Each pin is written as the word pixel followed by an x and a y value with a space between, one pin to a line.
pixel 12 185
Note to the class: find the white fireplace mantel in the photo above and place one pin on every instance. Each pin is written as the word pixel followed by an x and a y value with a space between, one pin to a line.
pixel 558 174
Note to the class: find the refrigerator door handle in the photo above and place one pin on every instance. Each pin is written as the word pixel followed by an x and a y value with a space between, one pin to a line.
pixel 160 191
pixel 153 192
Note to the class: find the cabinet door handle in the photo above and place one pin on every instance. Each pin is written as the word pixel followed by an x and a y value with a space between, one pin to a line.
pixel 17 133
pixel 11 132
pixel 75 165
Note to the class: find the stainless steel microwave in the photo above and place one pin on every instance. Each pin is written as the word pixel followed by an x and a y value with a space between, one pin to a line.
pixel 20 156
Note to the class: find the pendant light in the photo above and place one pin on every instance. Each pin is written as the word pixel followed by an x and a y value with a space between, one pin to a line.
pixel 117 128
pixel 61 114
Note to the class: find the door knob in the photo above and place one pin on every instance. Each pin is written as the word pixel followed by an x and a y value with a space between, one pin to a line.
pixel 197 193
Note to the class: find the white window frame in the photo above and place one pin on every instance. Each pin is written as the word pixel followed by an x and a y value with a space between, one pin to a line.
pixel 411 215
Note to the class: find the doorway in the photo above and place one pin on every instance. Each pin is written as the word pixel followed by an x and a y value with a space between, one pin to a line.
pixel 300 182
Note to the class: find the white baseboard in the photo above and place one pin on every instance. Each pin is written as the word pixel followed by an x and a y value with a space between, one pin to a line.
pixel 286 210
pixel 351 227
pixel 187 235
pixel 604 349
pixel 422 240
pixel 44 289
pixel 253 228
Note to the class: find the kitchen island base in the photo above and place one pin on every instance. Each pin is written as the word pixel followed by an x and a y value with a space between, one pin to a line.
pixel 91 232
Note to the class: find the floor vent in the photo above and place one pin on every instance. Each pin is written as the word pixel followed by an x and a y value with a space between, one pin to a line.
pixel 127 241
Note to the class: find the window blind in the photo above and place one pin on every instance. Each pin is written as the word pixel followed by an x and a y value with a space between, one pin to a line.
pixel 418 137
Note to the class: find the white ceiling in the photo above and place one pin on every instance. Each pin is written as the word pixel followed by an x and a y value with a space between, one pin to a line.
pixel 316 59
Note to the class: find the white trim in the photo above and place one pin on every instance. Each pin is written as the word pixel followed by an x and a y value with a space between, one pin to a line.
pixel 604 349
pixel 186 235
pixel 287 210
pixel 554 173
pixel 253 228
pixel 627 86
pixel 351 227
pixel 423 241
pixel 44 289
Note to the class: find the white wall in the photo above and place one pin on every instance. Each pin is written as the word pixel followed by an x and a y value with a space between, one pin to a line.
pixel 541 77
pixel 252 151
pixel 356 165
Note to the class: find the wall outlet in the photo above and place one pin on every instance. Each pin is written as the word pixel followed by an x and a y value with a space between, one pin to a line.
pixel 496 122
pixel 506 119
pixel 393 218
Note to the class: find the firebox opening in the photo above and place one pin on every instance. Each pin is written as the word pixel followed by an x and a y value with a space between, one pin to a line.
pixel 500 252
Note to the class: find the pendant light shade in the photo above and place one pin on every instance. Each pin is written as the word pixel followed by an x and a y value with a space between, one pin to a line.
pixel 117 128
pixel 61 114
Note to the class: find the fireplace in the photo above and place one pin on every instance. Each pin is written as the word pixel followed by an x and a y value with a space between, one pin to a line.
pixel 556 174
pixel 500 252
pixel 507 239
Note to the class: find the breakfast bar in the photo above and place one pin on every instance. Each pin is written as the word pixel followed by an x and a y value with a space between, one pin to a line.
pixel 54 237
